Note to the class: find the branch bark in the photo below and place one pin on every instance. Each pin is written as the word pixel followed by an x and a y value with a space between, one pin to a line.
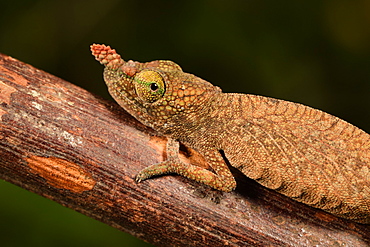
pixel 63 143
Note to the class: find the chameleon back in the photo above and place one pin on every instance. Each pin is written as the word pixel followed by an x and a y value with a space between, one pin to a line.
pixel 301 152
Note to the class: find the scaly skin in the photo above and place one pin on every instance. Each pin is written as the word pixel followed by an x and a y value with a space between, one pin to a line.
pixel 301 152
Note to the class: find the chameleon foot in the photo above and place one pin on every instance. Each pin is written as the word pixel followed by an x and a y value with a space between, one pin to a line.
pixel 154 170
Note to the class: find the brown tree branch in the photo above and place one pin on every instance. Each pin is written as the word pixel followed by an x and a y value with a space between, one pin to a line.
pixel 63 143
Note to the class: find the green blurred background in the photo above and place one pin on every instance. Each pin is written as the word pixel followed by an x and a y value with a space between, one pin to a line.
pixel 313 52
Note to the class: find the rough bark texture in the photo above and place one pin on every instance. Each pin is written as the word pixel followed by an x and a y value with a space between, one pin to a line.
pixel 63 143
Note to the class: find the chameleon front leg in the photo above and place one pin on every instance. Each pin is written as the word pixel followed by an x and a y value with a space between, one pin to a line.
pixel 222 179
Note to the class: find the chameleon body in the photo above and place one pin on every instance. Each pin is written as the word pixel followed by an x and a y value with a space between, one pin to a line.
pixel 301 152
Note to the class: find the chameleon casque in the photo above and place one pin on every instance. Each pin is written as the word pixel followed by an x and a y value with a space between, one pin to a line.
pixel 301 152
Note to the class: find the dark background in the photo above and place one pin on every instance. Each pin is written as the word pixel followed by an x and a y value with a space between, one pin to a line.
pixel 313 52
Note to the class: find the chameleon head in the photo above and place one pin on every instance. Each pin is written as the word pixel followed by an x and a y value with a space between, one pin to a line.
pixel 157 93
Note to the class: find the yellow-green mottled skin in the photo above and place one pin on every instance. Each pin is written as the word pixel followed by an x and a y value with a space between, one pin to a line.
pixel 301 152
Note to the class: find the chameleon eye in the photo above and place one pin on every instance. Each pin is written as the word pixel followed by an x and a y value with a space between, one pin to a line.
pixel 154 87
pixel 149 85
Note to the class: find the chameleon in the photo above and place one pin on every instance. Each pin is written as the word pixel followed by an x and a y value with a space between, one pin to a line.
pixel 301 152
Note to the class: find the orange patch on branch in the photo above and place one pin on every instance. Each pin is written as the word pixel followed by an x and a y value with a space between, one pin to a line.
pixel 13 76
pixel 5 89
pixel 5 92
pixel 2 112
pixel 61 173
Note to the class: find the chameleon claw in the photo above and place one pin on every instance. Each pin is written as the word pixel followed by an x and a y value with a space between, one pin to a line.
pixel 138 180
pixel 141 177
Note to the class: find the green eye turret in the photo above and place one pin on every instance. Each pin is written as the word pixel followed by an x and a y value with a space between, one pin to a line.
pixel 149 85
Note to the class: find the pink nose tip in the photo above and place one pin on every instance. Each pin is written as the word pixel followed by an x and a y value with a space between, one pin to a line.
pixel 106 56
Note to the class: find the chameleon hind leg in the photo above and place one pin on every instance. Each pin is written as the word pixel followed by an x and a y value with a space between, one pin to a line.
pixel 221 179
